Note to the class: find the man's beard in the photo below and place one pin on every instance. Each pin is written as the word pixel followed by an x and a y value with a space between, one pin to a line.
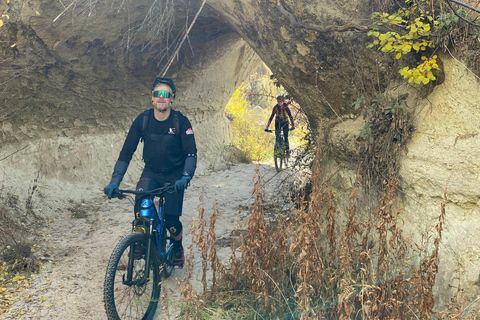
pixel 163 110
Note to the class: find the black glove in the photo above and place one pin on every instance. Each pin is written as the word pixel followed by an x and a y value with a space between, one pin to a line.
pixel 182 183
pixel 111 190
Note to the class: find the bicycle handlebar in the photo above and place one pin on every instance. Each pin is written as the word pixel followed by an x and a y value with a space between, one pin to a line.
pixel 154 192
pixel 268 130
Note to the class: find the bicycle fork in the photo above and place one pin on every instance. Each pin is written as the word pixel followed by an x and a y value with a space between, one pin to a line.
pixel 131 258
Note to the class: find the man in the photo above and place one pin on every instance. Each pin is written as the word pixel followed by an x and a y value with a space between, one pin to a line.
pixel 169 153
pixel 282 113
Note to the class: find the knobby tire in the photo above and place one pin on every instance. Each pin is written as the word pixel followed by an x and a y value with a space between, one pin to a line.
pixel 279 158
pixel 128 302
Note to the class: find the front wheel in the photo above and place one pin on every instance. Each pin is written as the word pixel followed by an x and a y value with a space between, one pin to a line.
pixel 278 162
pixel 279 157
pixel 127 293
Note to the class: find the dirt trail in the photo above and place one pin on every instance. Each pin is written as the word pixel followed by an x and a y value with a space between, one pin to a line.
pixel 76 250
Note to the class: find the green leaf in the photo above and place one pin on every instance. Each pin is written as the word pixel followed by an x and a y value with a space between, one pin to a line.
pixel 398 56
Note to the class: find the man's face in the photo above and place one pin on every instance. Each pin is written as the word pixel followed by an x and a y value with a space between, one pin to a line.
pixel 160 102
pixel 280 103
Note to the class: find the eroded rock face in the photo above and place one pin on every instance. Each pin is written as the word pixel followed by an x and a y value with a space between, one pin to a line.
pixel 75 88
pixel 86 69
pixel 442 159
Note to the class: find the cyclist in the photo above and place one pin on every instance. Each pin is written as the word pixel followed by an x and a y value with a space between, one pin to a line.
pixel 169 153
pixel 282 113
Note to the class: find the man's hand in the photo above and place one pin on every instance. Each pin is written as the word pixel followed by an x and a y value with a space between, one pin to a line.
pixel 111 190
pixel 182 183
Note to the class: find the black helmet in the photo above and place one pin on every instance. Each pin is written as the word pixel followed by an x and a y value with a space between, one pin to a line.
pixel 280 98
pixel 167 81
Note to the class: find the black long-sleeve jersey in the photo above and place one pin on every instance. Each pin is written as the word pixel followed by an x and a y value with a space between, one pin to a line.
pixel 164 149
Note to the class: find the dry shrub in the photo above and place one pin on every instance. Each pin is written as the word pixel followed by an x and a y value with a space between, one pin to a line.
pixel 205 243
pixel 18 233
pixel 363 268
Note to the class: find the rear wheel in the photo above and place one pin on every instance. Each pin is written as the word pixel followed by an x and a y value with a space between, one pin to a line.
pixel 127 293
pixel 278 163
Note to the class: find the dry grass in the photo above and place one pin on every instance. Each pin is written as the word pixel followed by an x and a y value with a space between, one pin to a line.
pixel 363 269
pixel 18 233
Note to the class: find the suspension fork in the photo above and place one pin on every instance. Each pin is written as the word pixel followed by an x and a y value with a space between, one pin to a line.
pixel 131 259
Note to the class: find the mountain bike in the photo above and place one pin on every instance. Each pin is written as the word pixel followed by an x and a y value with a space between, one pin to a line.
pixel 281 151
pixel 133 277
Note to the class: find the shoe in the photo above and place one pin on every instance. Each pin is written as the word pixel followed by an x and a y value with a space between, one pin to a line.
pixel 178 258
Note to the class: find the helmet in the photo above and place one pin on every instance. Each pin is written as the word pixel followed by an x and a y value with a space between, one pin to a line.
pixel 280 98
pixel 167 81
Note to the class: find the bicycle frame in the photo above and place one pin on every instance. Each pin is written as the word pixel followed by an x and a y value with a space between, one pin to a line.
pixel 155 223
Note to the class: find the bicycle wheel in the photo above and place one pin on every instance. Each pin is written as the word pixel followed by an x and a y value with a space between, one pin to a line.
pixel 131 299
pixel 278 163
pixel 278 157
pixel 164 246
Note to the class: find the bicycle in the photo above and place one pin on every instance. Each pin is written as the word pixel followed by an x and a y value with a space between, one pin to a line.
pixel 280 150
pixel 133 277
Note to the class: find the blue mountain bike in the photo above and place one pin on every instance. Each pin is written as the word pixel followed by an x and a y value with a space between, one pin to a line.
pixel 133 277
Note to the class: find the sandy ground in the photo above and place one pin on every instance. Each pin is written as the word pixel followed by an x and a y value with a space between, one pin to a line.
pixel 76 250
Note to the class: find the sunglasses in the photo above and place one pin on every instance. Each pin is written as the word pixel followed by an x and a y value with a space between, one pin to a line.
pixel 279 100
pixel 165 94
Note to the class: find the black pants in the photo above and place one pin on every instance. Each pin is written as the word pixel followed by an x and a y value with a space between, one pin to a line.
pixel 282 126
pixel 173 201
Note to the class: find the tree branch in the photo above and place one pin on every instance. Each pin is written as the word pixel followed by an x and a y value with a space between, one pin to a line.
pixel 316 27
pixel 466 6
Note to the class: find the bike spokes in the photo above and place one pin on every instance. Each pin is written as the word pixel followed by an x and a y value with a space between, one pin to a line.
pixel 129 293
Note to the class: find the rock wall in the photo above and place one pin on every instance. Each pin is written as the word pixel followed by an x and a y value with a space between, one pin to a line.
pixel 442 158
pixel 68 108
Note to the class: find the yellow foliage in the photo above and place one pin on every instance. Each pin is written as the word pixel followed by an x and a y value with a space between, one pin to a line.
pixel 419 25
pixel 423 72
pixel 247 124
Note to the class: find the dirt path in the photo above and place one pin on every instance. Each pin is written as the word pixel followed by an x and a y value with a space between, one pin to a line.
pixel 76 250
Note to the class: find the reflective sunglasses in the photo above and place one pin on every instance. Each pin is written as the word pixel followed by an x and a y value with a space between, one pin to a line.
pixel 279 100
pixel 165 94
